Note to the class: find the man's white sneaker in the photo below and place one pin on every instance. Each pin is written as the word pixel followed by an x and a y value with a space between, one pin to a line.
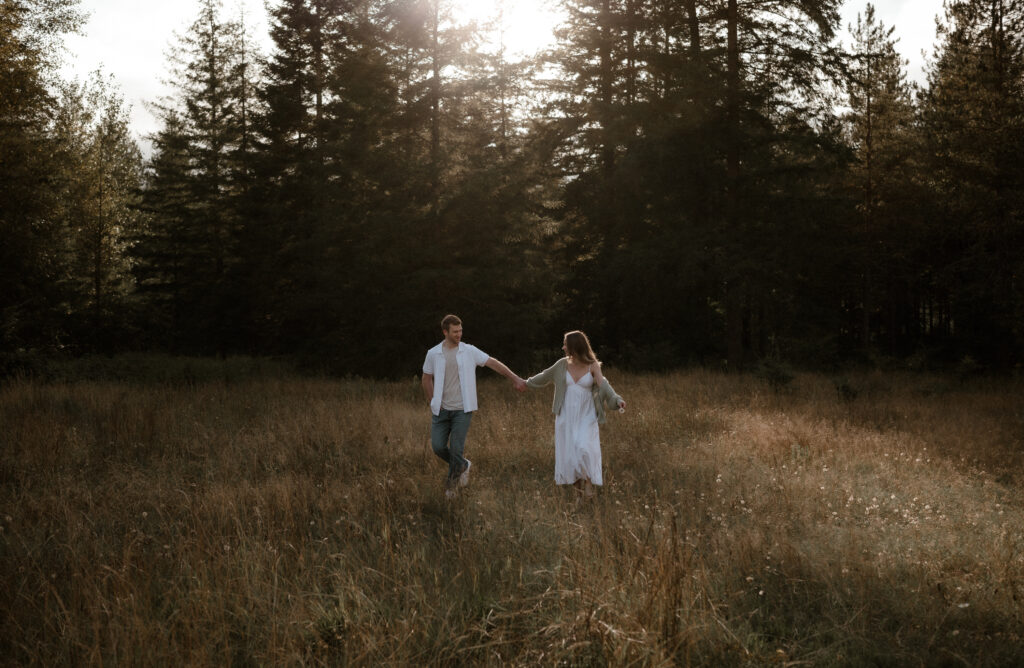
pixel 450 494
pixel 464 478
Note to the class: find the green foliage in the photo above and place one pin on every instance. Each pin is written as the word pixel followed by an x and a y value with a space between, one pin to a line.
pixel 31 165
pixel 663 228
pixel 675 178
pixel 98 210
pixel 70 172
pixel 972 121
pixel 879 128
pixel 189 253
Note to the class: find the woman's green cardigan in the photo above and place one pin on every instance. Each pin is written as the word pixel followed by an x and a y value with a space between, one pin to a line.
pixel 604 396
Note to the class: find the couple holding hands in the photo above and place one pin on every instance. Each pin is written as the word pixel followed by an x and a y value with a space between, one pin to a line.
pixel 582 395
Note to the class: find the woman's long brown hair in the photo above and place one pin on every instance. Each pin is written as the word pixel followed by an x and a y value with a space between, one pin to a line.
pixel 578 346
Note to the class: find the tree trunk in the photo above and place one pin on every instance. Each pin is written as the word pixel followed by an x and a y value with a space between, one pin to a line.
pixel 869 222
pixel 502 83
pixel 604 53
pixel 631 75
pixel 693 22
pixel 735 283
pixel 607 213
pixel 435 109
pixel 97 268
pixel 318 65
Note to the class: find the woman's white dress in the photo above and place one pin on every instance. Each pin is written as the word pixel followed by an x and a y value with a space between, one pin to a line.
pixel 577 434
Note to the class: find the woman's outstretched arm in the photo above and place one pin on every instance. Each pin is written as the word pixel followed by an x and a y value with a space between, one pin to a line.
pixel 545 377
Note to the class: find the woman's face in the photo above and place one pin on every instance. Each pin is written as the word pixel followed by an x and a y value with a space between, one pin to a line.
pixel 565 349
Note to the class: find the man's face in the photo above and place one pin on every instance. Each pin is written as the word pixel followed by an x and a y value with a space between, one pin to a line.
pixel 453 335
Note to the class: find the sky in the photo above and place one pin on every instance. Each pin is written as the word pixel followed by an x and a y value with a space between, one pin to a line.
pixel 129 43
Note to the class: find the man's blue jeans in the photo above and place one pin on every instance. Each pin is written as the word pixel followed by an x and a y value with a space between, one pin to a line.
pixel 448 439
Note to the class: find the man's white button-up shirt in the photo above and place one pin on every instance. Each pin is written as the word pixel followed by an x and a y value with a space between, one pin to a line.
pixel 468 359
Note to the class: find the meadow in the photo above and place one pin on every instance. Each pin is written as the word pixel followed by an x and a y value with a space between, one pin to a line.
pixel 282 520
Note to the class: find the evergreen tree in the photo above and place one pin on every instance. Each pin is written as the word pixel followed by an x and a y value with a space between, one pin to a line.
pixel 161 253
pixel 879 127
pixel 685 125
pixel 207 124
pixel 777 58
pixel 487 237
pixel 98 208
pixel 324 168
pixel 30 163
pixel 973 124
pixel 393 168
pixel 595 101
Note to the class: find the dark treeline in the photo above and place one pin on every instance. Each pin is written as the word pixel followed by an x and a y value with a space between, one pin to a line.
pixel 695 181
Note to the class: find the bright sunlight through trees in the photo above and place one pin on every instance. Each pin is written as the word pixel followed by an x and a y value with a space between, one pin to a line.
pixel 525 26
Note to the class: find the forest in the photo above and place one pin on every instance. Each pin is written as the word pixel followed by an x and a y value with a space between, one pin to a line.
pixel 695 182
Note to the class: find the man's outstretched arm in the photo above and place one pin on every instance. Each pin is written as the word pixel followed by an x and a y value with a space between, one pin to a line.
pixel 498 366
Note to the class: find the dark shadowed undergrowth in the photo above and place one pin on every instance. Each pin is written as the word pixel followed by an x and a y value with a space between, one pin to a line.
pixel 296 521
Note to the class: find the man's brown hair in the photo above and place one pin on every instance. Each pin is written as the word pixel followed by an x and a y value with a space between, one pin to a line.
pixel 450 320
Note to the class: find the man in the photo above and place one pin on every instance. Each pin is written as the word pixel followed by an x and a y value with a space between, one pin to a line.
pixel 449 382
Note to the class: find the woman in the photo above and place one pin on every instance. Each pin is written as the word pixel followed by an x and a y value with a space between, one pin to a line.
pixel 581 395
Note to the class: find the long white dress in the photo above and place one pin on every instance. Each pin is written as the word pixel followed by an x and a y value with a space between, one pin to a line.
pixel 577 434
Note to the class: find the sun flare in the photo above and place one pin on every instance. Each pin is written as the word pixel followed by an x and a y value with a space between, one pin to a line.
pixel 527 25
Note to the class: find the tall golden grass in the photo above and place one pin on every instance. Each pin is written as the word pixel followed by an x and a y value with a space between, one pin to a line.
pixel 302 521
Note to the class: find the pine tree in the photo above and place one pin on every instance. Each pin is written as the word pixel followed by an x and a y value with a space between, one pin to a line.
pixel 488 263
pixel 335 194
pixel 595 99
pixel 98 207
pixel 973 123
pixel 30 162
pixel 442 227
pixel 209 109
pixel 162 249
pixel 686 125
pixel 879 127
pixel 777 57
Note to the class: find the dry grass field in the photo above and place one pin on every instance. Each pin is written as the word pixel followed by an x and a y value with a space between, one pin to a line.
pixel 297 521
